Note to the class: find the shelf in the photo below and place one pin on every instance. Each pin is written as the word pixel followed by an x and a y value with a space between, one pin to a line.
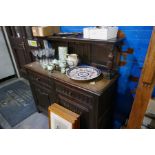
pixel 72 38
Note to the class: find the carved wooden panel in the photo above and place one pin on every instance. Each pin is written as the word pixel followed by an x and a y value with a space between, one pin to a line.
pixel 85 121
pixel 90 51
pixel 79 96
pixel 82 49
pixel 43 97
pixel 40 80
pixel 100 53
pixel 19 57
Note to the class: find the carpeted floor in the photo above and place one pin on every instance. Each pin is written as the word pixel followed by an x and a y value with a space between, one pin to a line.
pixel 35 121
pixel 16 103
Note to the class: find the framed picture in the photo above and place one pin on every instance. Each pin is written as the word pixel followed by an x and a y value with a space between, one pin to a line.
pixel 62 118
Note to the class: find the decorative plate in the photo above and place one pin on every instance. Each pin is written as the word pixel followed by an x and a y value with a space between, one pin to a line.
pixel 83 73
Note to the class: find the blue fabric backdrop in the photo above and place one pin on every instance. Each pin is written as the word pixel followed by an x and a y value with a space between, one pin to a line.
pixel 137 37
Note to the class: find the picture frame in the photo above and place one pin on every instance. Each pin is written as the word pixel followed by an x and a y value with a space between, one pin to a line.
pixel 62 118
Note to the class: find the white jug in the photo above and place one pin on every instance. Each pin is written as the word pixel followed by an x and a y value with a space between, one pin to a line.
pixel 72 60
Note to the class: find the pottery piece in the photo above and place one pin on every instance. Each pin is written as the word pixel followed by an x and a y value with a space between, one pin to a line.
pixel 63 70
pixel 72 60
pixel 62 53
pixel 50 67
pixel 55 62
pixel 83 73
pixel 62 64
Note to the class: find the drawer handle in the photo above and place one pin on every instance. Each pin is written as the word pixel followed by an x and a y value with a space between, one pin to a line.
pixel 70 93
pixel 38 79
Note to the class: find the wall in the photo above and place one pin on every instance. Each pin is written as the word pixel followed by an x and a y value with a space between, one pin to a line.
pixel 72 28
pixel 137 38
pixel 6 66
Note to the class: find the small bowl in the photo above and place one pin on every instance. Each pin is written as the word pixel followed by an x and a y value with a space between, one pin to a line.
pixel 50 67
pixel 55 61
pixel 44 66
pixel 62 64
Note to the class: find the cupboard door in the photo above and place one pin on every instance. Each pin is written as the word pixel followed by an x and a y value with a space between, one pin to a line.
pixel 43 97
pixel 20 58
pixel 84 112
pixel 22 54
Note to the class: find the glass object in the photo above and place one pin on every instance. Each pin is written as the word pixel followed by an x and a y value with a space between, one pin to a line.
pixel 35 54
pixel 72 60
pixel 51 53
pixel 40 55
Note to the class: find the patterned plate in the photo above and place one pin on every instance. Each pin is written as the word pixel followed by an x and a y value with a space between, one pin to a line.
pixel 83 73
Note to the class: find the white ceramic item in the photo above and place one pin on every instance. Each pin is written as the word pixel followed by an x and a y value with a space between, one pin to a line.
pixel 55 62
pixel 63 70
pixel 72 60
pixel 62 64
pixel 83 73
pixel 50 67
pixel 62 53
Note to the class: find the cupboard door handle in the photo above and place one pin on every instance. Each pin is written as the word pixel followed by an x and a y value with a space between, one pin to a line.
pixel 22 44
pixel 44 94
pixel 38 79
pixel 70 93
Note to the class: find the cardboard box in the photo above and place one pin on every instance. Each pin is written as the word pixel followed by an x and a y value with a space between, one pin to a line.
pixel 43 31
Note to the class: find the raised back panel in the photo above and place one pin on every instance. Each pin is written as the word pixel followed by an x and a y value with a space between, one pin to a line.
pixel 97 52
pixel 82 49
pixel 100 53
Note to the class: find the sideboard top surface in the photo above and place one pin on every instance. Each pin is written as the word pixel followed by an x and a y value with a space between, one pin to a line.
pixel 80 38
pixel 96 88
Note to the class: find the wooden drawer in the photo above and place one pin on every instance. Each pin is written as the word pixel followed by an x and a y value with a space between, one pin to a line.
pixel 75 94
pixel 40 80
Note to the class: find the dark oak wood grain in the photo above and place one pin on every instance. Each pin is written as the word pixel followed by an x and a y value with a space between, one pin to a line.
pixel 90 51
pixel 93 102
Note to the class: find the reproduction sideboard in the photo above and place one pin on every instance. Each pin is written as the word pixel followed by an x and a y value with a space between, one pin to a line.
pixel 92 100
